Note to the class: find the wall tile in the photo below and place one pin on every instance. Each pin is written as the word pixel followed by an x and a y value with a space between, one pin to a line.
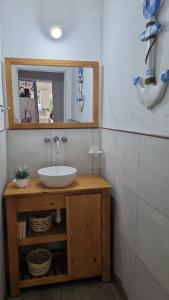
pixel 75 151
pixel 154 172
pixel 28 148
pixel 128 270
pixel 96 172
pixel 112 182
pixel 108 157
pixel 96 160
pixel 152 244
pixel 127 160
pixel 125 237
pixel 96 136
pixel 123 234
pixel 123 253
pixel 125 212
pixel 147 287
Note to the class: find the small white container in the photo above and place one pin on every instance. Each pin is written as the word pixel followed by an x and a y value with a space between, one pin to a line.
pixel 21 183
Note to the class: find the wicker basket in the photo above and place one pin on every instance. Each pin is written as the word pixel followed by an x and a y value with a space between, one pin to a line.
pixel 39 262
pixel 41 223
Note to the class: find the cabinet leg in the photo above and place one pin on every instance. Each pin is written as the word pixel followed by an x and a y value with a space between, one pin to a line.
pixel 106 276
pixel 13 254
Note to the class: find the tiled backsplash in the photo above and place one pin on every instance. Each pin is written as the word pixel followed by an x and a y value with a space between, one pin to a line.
pixel 138 169
pixel 27 147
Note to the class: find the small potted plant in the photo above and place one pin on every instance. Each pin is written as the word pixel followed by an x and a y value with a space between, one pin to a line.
pixel 21 177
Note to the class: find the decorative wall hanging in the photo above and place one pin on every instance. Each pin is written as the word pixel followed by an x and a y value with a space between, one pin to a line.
pixel 26 89
pixel 150 92
pixel 81 98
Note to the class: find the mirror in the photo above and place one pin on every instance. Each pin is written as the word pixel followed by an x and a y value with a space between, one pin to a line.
pixel 52 94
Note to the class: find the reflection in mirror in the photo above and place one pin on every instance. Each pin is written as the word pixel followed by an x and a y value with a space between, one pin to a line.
pixel 51 94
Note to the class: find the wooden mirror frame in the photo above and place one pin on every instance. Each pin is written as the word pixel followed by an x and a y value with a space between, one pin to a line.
pixel 9 61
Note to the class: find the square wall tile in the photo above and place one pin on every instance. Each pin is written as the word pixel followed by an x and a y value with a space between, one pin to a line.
pixel 27 147
pixel 152 243
pixel 127 160
pixel 147 288
pixel 75 151
pixel 153 181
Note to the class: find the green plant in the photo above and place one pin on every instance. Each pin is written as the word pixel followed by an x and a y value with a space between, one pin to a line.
pixel 21 173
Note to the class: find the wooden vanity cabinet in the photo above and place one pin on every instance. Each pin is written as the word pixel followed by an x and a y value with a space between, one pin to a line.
pixel 86 231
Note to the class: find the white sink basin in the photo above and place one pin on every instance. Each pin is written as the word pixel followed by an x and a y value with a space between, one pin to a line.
pixel 57 176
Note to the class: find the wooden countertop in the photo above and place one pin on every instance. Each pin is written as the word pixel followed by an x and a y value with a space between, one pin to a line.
pixel 35 187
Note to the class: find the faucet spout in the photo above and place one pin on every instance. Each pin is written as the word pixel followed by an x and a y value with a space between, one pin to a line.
pixel 57 142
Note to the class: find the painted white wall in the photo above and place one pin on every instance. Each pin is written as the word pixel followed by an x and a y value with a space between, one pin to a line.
pixel 1 93
pixel 137 166
pixel 3 180
pixel 27 33
pixel 123 57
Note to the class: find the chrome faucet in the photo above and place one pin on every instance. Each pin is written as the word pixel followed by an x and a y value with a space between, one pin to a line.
pixel 56 140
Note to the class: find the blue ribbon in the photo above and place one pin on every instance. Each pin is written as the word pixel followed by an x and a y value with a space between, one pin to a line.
pixel 136 80
pixel 165 76
pixel 150 8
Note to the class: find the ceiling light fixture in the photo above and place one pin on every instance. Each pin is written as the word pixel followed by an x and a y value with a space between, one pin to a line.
pixel 56 31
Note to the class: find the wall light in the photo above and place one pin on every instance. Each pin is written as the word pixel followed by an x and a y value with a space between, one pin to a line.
pixel 56 31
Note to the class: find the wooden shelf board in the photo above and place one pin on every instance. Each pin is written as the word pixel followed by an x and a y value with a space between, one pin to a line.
pixel 42 239
pixel 56 234
pixel 43 280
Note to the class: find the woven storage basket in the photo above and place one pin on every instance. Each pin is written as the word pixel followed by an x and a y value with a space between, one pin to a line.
pixel 41 223
pixel 39 262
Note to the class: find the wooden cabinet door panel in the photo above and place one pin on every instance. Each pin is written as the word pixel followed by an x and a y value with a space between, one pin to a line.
pixel 84 235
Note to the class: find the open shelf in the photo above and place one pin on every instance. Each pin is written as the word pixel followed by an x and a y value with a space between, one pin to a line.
pixel 56 234
pixel 57 272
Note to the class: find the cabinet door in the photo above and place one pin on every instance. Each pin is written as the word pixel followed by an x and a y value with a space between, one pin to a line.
pixel 84 235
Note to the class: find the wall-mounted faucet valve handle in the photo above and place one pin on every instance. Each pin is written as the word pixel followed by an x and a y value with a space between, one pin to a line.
pixel 47 139
pixel 64 139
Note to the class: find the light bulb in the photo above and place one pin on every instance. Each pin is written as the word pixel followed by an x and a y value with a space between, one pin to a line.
pixel 56 32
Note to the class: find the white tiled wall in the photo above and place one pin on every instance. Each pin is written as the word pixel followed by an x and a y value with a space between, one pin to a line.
pixel 138 169
pixel 28 148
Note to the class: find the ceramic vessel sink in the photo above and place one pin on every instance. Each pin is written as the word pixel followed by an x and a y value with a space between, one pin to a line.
pixel 57 176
